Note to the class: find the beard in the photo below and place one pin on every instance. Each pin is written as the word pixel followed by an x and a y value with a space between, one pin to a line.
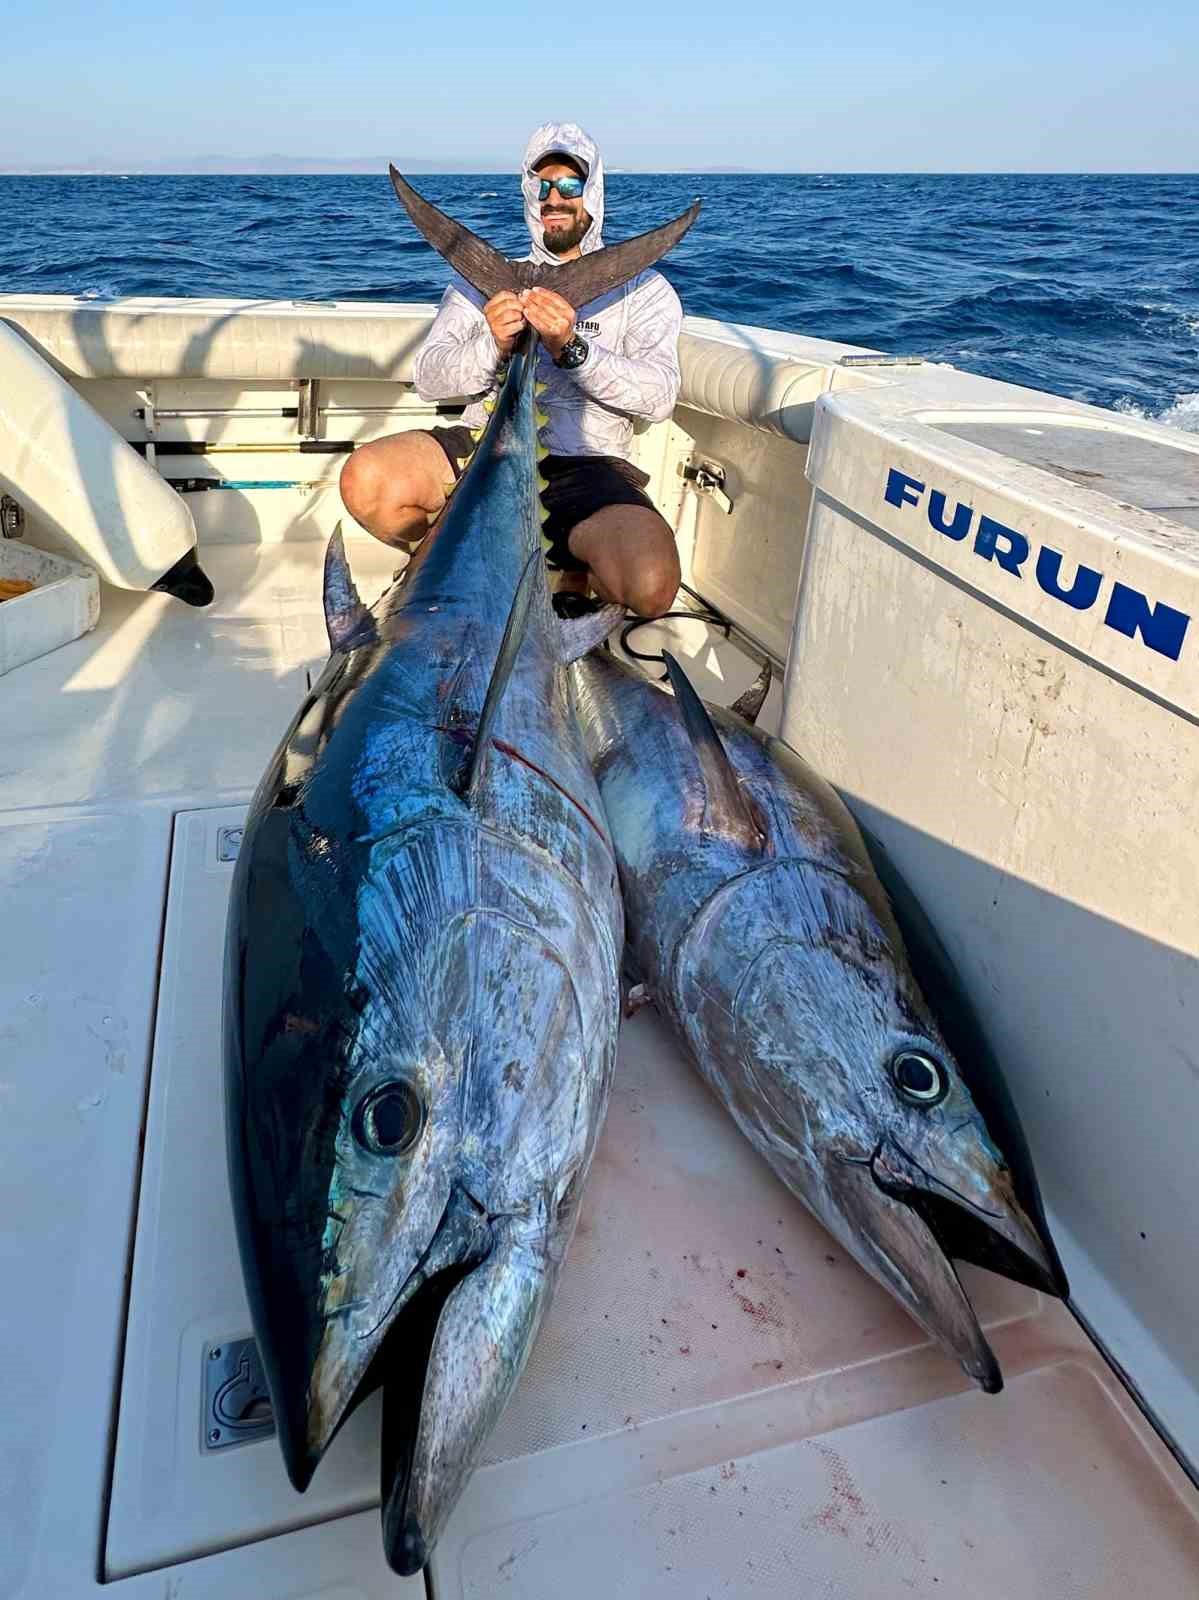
pixel 562 239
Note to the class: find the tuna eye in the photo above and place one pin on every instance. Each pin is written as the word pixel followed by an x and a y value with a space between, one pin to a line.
pixel 919 1079
pixel 390 1119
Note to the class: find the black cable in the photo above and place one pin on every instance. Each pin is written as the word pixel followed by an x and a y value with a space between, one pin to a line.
pixel 710 617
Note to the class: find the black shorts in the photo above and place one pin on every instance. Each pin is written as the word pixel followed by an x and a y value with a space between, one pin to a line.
pixel 576 487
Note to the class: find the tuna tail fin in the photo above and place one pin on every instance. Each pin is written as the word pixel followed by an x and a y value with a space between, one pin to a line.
pixel 749 703
pixel 577 281
pixel 514 633
pixel 477 261
pixel 349 623
pixel 729 809
pixel 590 276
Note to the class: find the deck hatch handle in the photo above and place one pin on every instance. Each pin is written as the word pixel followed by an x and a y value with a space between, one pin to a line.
pixel 237 1406
pixel 12 518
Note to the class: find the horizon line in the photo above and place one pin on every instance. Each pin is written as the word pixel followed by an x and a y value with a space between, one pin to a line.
pixel 353 169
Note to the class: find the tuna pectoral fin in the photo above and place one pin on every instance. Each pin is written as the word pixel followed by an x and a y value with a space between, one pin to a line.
pixel 590 276
pixel 349 622
pixel 477 261
pixel 728 809
pixel 514 633
pixel 480 1347
pixel 578 635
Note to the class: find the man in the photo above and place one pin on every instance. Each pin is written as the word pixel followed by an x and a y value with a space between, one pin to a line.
pixel 603 365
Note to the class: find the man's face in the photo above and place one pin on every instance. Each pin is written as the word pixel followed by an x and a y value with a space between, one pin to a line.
pixel 565 222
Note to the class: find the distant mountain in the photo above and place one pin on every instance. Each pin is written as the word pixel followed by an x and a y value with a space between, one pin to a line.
pixel 282 165
pixel 244 166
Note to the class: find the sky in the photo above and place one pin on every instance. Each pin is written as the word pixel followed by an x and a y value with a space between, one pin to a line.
pixel 919 85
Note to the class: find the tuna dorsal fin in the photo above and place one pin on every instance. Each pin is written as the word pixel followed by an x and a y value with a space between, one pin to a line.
pixel 514 633
pixel 728 809
pixel 586 278
pixel 349 623
pixel 477 261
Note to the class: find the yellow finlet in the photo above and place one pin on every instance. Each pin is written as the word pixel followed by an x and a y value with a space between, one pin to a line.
pixel 489 405
pixel 447 489
pixel 539 388
pixel 543 450
pixel 476 434
pixel 464 462
pixel 542 417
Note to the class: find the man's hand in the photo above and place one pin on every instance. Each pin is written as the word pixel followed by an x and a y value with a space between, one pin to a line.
pixel 553 318
pixel 505 318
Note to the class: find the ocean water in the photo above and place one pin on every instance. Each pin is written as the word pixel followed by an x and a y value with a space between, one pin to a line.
pixel 1086 286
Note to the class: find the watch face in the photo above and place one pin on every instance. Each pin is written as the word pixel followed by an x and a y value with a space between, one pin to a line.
pixel 574 352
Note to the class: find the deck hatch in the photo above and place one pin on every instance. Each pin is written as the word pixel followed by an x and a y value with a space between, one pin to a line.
pixel 1128 467
pixel 177 1492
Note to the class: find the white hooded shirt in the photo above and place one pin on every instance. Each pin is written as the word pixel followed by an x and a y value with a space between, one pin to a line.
pixel 632 367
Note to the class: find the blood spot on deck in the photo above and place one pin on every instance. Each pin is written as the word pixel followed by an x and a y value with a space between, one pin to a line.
pixel 761 1313
pixel 844 1506
pixel 845 1513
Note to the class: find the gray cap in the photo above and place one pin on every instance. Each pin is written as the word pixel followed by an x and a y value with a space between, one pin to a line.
pixel 563 155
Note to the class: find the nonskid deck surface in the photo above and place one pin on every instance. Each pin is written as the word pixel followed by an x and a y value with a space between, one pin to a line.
pixel 720 1402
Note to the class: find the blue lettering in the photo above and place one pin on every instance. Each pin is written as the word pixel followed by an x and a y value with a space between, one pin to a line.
pixel 1082 592
pixel 1161 627
pixel 899 490
pixel 959 527
pixel 1129 612
pixel 986 544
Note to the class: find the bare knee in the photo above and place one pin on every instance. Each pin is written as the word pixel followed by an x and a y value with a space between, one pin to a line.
pixel 652 584
pixel 363 486
pixel 631 553
pixel 385 496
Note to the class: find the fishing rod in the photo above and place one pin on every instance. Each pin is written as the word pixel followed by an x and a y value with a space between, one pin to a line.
pixel 211 447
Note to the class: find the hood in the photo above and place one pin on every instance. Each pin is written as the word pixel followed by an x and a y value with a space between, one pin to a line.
pixel 571 139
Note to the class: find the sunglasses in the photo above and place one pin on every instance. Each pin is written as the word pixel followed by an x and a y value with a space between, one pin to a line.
pixel 568 188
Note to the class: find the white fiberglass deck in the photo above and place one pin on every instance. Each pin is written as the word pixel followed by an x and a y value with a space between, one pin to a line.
pixel 720 1402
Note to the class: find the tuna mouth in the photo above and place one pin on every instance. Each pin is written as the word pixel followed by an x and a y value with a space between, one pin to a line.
pixel 394 1356
pixel 402 1369
pixel 963 1235
pixel 1003 1241
pixel 890 1238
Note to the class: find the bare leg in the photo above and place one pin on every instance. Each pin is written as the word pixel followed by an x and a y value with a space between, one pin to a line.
pixel 395 487
pixel 632 556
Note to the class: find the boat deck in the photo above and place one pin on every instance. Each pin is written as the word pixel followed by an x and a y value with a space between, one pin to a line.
pixel 720 1402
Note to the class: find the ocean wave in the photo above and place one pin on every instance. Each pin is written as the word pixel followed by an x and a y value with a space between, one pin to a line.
pixel 1182 412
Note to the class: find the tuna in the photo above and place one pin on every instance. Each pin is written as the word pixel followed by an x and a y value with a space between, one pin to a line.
pixel 422 985
pixel 758 923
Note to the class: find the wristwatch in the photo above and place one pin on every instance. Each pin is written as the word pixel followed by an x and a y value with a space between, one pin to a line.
pixel 573 354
